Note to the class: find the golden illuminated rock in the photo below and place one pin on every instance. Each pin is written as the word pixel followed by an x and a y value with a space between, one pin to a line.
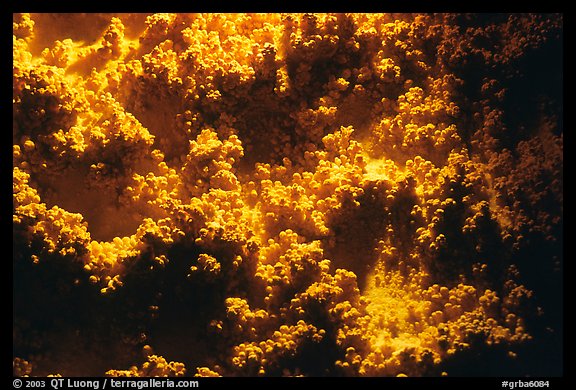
pixel 287 194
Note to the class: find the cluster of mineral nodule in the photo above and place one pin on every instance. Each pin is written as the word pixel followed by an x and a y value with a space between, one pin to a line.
pixel 287 194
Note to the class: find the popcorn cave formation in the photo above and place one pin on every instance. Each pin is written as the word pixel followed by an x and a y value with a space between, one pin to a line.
pixel 287 194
